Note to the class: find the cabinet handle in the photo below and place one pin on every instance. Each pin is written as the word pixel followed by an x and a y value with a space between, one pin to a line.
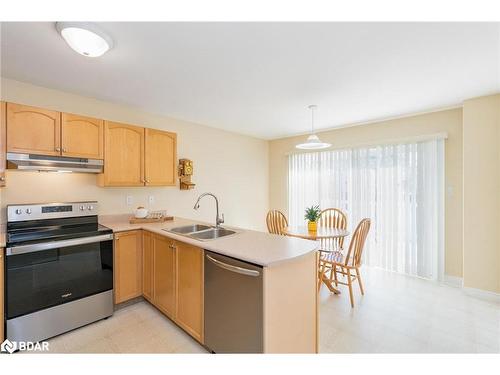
pixel 2 178
pixel 64 150
pixel 58 149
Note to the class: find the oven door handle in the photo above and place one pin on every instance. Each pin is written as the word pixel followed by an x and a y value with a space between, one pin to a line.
pixel 23 249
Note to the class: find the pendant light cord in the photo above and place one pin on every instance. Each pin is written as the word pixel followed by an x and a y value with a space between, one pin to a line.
pixel 312 108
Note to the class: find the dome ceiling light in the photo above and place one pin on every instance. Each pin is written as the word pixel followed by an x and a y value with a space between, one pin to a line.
pixel 85 38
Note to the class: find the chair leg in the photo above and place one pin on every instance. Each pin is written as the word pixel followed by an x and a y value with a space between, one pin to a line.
pixel 358 274
pixel 349 283
pixel 321 272
pixel 334 271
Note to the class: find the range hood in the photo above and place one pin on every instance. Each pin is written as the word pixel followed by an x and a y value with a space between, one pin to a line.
pixel 32 162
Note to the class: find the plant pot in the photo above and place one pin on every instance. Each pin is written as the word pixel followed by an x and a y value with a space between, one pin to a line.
pixel 312 226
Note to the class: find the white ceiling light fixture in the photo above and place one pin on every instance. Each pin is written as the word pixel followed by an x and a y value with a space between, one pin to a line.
pixel 85 38
pixel 313 142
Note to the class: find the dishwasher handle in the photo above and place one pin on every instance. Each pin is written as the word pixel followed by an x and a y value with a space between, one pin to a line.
pixel 229 267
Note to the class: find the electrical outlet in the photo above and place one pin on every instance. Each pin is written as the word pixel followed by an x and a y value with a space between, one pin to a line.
pixel 130 200
pixel 151 199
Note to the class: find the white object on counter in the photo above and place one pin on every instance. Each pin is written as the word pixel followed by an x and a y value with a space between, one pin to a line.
pixel 141 213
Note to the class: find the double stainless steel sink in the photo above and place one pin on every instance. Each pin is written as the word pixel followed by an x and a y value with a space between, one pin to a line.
pixel 201 232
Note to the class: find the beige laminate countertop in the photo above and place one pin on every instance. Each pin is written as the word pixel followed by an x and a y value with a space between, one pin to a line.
pixel 251 246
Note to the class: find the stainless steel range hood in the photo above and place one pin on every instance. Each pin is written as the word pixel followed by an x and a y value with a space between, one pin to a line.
pixel 32 162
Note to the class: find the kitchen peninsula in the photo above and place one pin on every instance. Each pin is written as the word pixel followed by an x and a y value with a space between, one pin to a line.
pixel 169 273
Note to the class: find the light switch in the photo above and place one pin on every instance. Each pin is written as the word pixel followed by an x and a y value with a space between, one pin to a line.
pixel 151 199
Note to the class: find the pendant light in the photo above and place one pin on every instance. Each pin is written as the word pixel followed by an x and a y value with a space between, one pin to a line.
pixel 312 142
pixel 85 38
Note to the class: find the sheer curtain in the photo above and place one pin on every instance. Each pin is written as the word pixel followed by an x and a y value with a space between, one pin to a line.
pixel 400 187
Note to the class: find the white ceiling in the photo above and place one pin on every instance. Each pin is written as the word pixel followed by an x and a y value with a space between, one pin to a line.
pixel 259 78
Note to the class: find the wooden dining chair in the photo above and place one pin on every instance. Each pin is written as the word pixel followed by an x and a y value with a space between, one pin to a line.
pixel 276 222
pixel 336 262
pixel 335 219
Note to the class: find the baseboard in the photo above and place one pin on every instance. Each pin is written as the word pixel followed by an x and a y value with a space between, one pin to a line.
pixel 454 281
pixel 483 294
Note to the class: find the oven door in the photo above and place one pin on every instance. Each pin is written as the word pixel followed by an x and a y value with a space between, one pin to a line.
pixel 39 276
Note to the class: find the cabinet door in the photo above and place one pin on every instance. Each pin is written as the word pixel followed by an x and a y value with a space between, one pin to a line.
pixel 147 265
pixel 160 158
pixel 128 265
pixel 33 130
pixel 82 136
pixel 123 155
pixel 3 114
pixel 1 293
pixel 164 275
pixel 190 289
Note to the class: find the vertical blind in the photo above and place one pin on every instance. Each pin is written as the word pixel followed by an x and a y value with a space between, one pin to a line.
pixel 399 187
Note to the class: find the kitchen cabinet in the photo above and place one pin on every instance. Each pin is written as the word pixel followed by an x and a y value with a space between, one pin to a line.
pixel 123 155
pixel 127 265
pixel 33 130
pixel 2 259
pixel 164 275
pixel 136 156
pixel 3 134
pixel 82 136
pixel 147 265
pixel 41 131
pixel 189 306
pixel 160 158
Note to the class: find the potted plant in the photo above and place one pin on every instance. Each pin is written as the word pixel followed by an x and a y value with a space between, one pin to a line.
pixel 312 216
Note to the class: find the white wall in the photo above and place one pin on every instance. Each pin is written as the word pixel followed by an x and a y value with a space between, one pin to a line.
pixel 232 166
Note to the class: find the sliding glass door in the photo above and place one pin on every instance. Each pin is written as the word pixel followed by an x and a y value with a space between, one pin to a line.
pixel 400 187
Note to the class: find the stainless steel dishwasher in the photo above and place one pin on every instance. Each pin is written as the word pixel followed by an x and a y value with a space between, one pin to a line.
pixel 233 305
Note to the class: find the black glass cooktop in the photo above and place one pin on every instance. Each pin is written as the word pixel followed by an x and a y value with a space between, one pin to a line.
pixel 36 231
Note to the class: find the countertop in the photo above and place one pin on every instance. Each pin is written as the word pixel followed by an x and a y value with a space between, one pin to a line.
pixel 260 248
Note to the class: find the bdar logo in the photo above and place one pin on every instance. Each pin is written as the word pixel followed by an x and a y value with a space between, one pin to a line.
pixel 8 347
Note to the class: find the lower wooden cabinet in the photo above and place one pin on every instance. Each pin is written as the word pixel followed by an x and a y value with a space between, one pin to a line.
pixel 189 307
pixel 147 265
pixel 128 265
pixel 164 275
pixel 2 259
pixel 167 273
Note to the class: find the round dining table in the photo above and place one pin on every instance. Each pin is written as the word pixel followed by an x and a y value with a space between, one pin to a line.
pixel 321 233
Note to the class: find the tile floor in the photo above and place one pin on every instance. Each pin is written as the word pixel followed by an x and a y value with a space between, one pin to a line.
pixel 397 314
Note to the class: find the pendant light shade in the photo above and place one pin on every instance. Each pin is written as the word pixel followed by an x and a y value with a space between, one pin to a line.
pixel 312 142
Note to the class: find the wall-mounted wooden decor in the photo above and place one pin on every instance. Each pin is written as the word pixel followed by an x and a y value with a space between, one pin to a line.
pixel 185 173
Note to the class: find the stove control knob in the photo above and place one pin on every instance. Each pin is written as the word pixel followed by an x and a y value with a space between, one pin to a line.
pixel 82 208
pixel 90 208
pixel 19 211
pixel 28 211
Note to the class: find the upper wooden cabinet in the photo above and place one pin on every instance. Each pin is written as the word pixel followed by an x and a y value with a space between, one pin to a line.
pixel 160 158
pixel 128 265
pixel 33 130
pixel 3 114
pixel 135 156
pixel 40 131
pixel 123 155
pixel 82 136
pixel 189 306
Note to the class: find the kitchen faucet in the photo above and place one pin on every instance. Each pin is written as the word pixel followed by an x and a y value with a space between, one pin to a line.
pixel 218 220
